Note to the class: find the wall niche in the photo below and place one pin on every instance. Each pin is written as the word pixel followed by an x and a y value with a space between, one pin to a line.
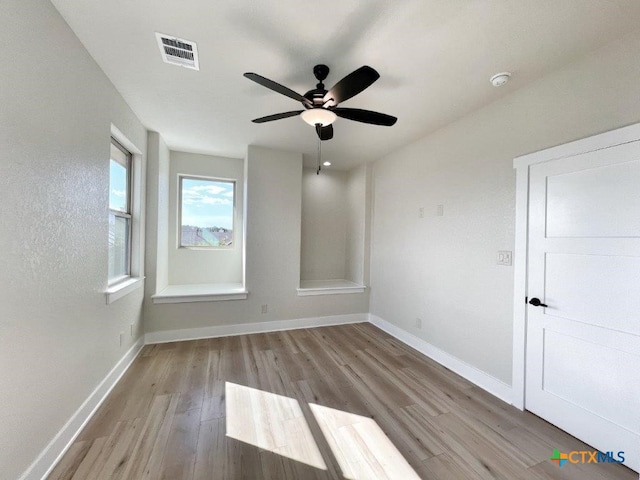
pixel 334 253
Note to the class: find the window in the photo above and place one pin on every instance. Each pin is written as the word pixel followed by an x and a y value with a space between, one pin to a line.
pixel 119 213
pixel 206 212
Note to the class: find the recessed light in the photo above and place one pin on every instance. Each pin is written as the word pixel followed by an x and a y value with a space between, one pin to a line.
pixel 327 164
pixel 500 79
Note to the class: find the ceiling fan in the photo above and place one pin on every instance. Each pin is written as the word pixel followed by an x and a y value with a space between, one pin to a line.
pixel 321 105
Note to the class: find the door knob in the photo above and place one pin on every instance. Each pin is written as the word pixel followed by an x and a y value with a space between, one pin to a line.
pixel 537 303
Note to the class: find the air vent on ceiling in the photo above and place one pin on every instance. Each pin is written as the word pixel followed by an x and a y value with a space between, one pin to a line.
pixel 177 51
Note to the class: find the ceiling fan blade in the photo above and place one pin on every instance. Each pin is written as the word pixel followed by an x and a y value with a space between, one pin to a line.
pixel 276 87
pixel 365 116
pixel 324 133
pixel 277 116
pixel 351 85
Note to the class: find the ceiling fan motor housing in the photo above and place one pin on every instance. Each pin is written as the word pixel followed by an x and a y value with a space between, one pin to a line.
pixel 316 96
pixel 321 72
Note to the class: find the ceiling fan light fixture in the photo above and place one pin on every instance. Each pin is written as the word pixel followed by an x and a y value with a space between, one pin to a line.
pixel 318 115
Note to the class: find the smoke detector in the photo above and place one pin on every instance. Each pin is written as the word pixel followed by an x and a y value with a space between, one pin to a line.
pixel 500 79
pixel 177 51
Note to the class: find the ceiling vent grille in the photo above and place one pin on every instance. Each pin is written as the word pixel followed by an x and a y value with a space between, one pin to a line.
pixel 177 51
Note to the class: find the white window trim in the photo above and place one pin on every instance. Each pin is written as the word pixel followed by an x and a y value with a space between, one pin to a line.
pixel 127 214
pixel 123 288
pixel 135 280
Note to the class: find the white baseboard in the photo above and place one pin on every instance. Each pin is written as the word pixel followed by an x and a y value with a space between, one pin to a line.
pixel 247 328
pixel 53 452
pixel 474 375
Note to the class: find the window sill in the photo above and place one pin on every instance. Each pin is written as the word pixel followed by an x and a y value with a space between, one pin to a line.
pixel 125 287
pixel 212 292
pixel 328 287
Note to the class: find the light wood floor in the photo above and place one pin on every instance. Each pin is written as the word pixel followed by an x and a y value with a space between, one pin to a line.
pixel 334 402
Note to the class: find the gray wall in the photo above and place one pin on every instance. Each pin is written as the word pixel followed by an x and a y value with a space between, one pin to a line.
pixel 273 182
pixel 157 228
pixel 358 207
pixel 59 338
pixel 188 266
pixel 443 269
pixel 335 224
pixel 324 224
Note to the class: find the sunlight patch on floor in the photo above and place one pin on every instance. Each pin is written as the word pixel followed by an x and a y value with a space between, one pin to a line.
pixel 271 422
pixel 361 447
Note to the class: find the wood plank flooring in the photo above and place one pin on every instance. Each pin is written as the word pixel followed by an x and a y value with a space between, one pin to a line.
pixel 326 403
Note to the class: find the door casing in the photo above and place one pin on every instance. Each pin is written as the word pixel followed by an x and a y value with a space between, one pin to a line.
pixel 619 136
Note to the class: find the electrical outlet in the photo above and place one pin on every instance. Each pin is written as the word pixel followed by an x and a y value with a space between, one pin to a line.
pixel 421 212
pixel 418 323
pixel 440 210
pixel 264 309
pixel 121 338
pixel 131 330
pixel 505 257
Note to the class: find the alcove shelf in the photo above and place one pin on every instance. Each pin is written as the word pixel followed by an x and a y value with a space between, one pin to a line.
pixel 201 292
pixel 328 287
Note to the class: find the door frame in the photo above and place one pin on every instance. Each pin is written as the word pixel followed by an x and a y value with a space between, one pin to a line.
pixel 521 164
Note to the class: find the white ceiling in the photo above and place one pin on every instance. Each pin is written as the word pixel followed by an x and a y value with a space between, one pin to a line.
pixel 435 58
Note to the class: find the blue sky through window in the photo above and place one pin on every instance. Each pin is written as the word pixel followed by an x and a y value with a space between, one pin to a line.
pixel 207 203
pixel 117 186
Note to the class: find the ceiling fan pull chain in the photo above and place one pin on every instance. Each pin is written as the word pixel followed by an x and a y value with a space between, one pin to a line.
pixel 319 157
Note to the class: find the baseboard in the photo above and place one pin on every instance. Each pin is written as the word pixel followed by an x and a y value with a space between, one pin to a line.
pixel 248 328
pixel 474 375
pixel 53 452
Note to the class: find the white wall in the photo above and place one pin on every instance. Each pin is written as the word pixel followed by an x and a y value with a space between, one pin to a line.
pixel 273 194
pixel 443 269
pixel 157 228
pixel 59 339
pixel 358 208
pixel 324 224
pixel 189 266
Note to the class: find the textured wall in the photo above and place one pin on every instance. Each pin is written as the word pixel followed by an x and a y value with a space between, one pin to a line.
pixel 58 337
pixel 443 269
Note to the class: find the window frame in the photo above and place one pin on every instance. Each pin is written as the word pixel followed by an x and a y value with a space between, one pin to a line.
pixel 233 182
pixel 128 215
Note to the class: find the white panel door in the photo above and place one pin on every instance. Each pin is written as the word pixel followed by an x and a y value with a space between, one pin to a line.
pixel 583 347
